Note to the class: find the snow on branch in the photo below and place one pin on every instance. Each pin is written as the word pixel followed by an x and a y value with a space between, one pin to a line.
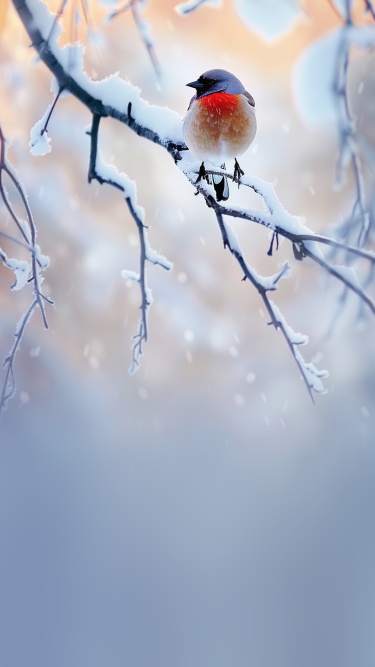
pixel 327 62
pixel 40 143
pixel 120 100
pixel 106 173
pixel 25 271
pixel 304 243
pixel 109 97
pixel 310 374
pixel 349 154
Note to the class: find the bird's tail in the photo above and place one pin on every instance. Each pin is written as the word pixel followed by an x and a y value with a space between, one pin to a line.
pixel 221 186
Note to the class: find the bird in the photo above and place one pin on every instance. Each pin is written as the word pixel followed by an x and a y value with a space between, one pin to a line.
pixel 220 124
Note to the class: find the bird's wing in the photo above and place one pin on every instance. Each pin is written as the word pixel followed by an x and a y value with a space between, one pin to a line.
pixel 249 98
pixel 191 101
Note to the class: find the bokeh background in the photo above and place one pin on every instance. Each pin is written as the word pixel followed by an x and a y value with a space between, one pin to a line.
pixel 203 511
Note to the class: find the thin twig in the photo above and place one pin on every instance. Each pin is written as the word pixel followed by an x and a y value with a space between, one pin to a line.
pixel 189 6
pixel 304 245
pixel 119 181
pixel 35 268
pixel 309 374
pixel 271 221
pixel 144 33
pixel 348 145
pixel 142 26
pixel 142 333
pixel 53 105
pixel 9 383
pixel 58 15
pixel 369 8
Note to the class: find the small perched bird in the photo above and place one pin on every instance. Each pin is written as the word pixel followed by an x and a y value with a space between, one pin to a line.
pixel 220 123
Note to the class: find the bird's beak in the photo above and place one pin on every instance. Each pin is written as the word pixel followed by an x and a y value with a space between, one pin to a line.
pixel 195 84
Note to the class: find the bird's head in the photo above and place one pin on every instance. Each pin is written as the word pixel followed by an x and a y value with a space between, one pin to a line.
pixel 217 81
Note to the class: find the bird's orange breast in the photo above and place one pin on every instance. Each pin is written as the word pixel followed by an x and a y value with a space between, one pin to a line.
pixel 219 103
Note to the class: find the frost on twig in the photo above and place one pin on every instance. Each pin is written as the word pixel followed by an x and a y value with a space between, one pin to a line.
pixel 26 272
pixel 349 154
pixel 136 7
pixel 304 242
pixel 310 374
pixel 40 143
pixel 106 173
pixel 327 63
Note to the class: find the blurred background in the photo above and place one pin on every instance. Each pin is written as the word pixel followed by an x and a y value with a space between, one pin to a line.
pixel 203 511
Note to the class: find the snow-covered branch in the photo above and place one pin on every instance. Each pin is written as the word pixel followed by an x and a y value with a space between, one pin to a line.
pixel 263 285
pixel 327 62
pixel 359 221
pixel 304 243
pixel 120 100
pixel 321 86
pixel 111 97
pixel 106 173
pixel 25 271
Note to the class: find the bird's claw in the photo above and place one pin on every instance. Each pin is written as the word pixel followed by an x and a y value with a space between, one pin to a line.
pixel 202 174
pixel 238 172
pixel 175 151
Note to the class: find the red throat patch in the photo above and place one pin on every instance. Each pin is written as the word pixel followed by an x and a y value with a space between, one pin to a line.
pixel 220 103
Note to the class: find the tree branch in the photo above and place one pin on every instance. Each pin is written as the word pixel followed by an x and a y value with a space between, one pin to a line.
pixel 121 101
pixel 348 139
pixel 369 8
pixel 142 26
pixel 304 241
pixel 24 272
pixel 99 97
pixel 104 173
pixel 189 6
pixel 311 376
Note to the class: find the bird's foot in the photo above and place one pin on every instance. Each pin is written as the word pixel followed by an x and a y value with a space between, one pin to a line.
pixel 202 174
pixel 275 238
pixel 238 172
pixel 175 150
